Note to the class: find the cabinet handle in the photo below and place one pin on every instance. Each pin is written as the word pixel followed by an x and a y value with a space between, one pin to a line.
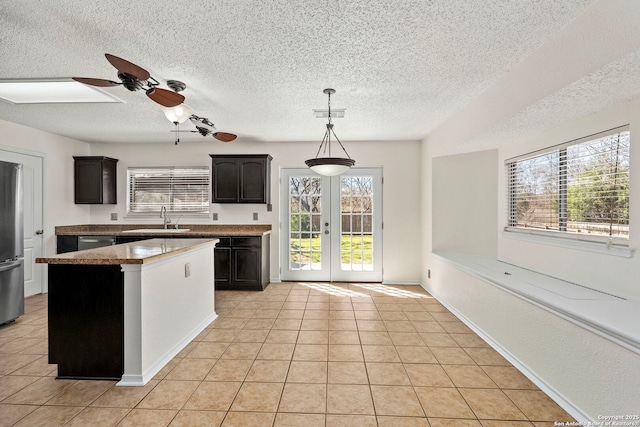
pixel 39 231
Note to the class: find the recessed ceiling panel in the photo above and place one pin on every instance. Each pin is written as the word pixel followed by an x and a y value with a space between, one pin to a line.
pixel 51 92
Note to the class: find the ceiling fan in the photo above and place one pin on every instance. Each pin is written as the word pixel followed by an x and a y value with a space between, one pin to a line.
pixel 205 127
pixel 134 78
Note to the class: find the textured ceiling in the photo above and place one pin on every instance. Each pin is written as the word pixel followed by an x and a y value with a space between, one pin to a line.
pixel 402 68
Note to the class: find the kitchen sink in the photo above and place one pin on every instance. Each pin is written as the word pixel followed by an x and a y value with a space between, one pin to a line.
pixel 157 230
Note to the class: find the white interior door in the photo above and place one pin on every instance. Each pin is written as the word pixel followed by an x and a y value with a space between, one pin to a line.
pixel 33 235
pixel 331 226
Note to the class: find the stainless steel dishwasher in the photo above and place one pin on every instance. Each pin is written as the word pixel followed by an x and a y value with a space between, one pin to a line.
pixel 89 242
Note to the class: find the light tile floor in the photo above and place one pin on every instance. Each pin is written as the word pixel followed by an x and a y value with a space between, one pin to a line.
pixel 297 354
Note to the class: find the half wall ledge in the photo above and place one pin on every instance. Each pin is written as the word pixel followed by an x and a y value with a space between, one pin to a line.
pixel 613 317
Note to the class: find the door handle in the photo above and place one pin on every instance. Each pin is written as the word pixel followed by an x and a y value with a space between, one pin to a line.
pixel 6 266
pixel 39 231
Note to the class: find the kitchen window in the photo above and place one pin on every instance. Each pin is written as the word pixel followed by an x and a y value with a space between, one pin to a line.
pixel 182 190
pixel 579 189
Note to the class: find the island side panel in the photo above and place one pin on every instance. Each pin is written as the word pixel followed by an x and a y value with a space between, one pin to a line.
pixel 86 320
pixel 168 303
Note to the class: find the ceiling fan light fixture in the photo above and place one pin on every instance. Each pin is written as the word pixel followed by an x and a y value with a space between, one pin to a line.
pixel 329 165
pixel 179 113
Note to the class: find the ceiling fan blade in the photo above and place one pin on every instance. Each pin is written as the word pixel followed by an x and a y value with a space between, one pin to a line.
pixel 165 97
pixel 224 137
pixel 127 67
pixel 95 82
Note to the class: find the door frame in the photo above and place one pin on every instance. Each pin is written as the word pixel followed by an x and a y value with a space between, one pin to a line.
pixel 331 259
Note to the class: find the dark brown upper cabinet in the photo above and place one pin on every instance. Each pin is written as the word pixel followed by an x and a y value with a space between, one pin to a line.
pixel 244 178
pixel 95 180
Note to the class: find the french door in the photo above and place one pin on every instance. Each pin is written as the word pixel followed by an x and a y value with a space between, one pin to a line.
pixel 332 226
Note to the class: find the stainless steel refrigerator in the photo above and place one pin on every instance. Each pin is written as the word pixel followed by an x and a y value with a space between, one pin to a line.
pixel 11 242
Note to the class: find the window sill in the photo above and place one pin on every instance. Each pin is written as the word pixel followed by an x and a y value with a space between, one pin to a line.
pixel 569 242
pixel 610 316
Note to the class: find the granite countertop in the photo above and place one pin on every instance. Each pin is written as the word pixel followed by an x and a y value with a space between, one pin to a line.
pixel 195 230
pixel 142 252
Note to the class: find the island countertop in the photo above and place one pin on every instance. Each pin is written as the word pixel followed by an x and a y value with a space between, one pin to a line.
pixel 194 230
pixel 142 252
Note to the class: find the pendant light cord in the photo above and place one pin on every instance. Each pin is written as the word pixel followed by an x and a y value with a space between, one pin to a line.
pixel 326 140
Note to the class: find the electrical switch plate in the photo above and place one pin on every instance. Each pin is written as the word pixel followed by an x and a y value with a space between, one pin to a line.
pixel 114 216
pixel 255 216
pixel 187 270
pixel 215 216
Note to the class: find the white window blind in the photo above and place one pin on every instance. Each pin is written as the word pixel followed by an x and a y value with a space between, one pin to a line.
pixel 179 189
pixel 580 187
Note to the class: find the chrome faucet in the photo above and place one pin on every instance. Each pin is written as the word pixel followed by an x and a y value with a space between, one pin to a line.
pixel 165 219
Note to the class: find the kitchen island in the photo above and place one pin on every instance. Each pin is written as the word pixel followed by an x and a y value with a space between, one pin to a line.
pixel 122 312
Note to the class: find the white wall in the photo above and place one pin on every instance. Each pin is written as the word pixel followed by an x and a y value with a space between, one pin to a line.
pixel 58 152
pixel 400 162
pixel 602 271
pixel 555 351
pixel 618 275
pixel 401 211
pixel 465 203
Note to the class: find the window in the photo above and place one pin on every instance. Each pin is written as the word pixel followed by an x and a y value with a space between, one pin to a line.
pixel 179 189
pixel 580 188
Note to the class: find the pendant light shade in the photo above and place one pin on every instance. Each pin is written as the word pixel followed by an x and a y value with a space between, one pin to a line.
pixel 330 166
pixel 179 113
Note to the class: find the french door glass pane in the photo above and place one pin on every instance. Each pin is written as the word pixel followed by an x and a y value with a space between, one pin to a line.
pixel 305 208
pixel 356 231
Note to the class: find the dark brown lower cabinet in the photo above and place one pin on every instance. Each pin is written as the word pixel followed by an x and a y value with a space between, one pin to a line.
pixel 66 244
pixel 86 321
pixel 242 263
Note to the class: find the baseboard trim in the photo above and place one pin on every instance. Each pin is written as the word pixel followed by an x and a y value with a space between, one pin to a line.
pixel 565 404
pixel 401 282
pixel 139 380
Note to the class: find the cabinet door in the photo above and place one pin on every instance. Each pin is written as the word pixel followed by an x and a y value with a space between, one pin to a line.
pixel 88 182
pixel 222 265
pixel 246 266
pixel 252 180
pixel 66 244
pixel 225 181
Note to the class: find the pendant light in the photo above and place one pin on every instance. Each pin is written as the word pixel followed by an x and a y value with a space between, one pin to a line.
pixel 330 166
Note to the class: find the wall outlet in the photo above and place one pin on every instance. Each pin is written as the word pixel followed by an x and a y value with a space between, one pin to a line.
pixel 114 216
pixel 215 216
pixel 429 274
pixel 187 270
pixel 255 216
